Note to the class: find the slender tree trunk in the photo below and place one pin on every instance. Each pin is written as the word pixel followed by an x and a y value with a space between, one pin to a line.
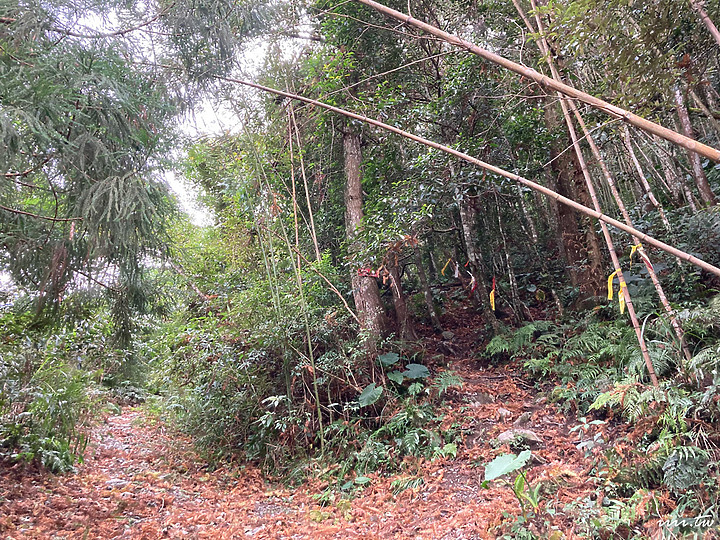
pixel 534 243
pixel 404 322
pixel 467 220
pixel 521 310
pixel 425 287
pixel 432 264
pixel 313 234
pixel 580 249
pixel 706 194
pixel 365 290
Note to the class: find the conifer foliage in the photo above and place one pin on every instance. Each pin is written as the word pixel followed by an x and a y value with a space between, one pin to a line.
pixel 83 132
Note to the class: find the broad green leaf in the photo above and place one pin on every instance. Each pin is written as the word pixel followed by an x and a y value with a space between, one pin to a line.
pixel 505 464
pixel 362 480
pixel 396 377
pixel 370 395
pixel 389 359
pixel 416 371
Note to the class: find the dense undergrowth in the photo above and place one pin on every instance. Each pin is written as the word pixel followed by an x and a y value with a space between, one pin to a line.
pixel 671 450
pixel 52 379
pixel 241 383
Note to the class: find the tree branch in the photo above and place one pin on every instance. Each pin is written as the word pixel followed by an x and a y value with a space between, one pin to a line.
pixel 38 216
pixel 495 170
pixel 557 86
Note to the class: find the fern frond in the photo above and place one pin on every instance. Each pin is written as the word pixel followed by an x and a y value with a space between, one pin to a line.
pixel 497 345
pixel 685 467
pixel 523 336
pixel 446 380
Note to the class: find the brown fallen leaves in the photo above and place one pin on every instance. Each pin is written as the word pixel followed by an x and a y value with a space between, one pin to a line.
pixel 141 480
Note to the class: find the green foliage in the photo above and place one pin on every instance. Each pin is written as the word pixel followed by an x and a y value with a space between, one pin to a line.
pixel 509 463
pixel 416 371
pixel 685 467
pixel 46 404
pixel 370 395
pixel 446 380
pixel 506 464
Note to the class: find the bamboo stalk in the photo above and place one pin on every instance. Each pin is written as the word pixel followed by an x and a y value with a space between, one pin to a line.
pixel 547 82
pixel 706 194
pixel 697 5
pixel 625 134
pixel 495 170
pixel 294 193
pixel 707 112
pixel 643 255
pixel 544 47
pixel 305 183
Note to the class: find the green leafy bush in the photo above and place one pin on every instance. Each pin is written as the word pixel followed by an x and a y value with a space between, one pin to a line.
pixel 46 406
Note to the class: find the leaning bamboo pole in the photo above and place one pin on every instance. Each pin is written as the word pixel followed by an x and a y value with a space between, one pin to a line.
pixel 698 6
pixel 557 86
pixel 611 248
pixel 544 47
pixel 616 194
pixel 492 169
pixel 672 317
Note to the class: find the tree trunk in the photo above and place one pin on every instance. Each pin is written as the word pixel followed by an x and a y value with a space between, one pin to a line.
pixel 534 245
pixel 581 251
pixel 365 290
pixel 706 194
pixel 425 286
pixel 405 325
pixel 521 310
pixel 467 219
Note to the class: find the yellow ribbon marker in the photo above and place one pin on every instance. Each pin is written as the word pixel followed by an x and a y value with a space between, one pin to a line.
pixel 633 249
pixel 610 286
pixel 621 297
pixel 492 299
pixel 445 267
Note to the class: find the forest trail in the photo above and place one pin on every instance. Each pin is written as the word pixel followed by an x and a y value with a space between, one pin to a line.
pixel 141 480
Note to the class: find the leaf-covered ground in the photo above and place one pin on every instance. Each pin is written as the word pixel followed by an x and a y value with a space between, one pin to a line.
pixel 141 479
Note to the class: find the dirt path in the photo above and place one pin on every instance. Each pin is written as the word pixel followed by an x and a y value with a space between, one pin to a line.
pixel 143 481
